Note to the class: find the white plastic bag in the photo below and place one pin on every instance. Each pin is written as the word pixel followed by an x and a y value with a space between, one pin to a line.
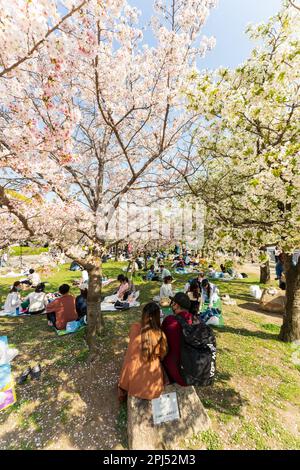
pixel 3 353
pixel 256 292
pixel 7 354
pixel 213 321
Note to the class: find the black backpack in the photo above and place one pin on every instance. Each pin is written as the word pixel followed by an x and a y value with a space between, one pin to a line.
pixel 198 353
pixel 121 305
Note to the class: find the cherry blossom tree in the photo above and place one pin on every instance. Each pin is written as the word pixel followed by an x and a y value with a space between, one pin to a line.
pixel 89 119
pixel 26 26
pixel 243 160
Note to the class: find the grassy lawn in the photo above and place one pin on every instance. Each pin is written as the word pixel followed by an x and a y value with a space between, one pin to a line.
pixel 254 403
pixel 27 250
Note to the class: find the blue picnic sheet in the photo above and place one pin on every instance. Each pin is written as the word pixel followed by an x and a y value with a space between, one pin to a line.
pixel 7 391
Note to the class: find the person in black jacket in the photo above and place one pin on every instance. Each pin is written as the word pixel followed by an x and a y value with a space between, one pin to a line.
pixel 81 303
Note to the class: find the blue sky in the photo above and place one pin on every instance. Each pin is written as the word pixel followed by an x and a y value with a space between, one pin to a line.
pixel 227 23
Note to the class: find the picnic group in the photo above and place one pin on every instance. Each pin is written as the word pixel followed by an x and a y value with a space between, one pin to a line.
pixel 155 353
pixel 153 356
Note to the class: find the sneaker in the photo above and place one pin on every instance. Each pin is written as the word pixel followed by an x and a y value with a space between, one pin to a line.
pixel 23 377
pixel 36 372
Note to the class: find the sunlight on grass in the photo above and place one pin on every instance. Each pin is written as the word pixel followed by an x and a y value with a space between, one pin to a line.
pixel 256 379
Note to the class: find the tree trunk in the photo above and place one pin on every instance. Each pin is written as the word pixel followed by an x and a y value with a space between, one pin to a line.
pixel 132 274
pixel 128 267
pixel 117 252
pixel 94 317
pixel 290 330
pixel 146 261
pixel 265 275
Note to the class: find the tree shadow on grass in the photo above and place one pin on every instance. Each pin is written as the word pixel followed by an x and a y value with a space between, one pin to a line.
pixel 249 333
pixel 255 307
pixel 221 398
pixel 240 296
pixel 77 409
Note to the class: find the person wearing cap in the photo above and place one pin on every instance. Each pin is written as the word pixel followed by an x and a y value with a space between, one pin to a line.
pixel 181 305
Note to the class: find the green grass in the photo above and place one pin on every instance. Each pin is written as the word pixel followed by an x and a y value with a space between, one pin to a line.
pixel 122 424
pixel 211 440
pixel 27 250
pixel 256 378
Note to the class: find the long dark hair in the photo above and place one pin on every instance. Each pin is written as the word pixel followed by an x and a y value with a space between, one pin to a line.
pixel 40 288
pixel 195 289
pixel 14 287
pixel 84 293
pixel 150 325
pixel 122 278
pixel 204 284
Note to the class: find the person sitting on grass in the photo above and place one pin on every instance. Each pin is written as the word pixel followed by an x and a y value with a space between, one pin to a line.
pixel 151 274
pixel 124 288
pixel 81 301
pixel 211 271
pixel 187 259
pixel 209 293
pixel 166 289
pixel 164 272
pixel 181 305
pixel 194 294
pixel 198 279
pixel 142 373
pixel 179 263
pixel 13 300
pixel 195 260
pixel 36 302
pixel 223 269
pixel 62 310
pixel 226 270
pixel 34 278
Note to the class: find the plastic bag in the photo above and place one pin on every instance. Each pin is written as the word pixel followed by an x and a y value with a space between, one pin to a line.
pixel 72 326
pixel 256 292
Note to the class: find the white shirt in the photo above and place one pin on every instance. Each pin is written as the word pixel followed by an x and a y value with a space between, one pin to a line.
pixel 13 301
pixel 34 278
pixel 166 291
pixel 84 276
pixel 164 273
pixel 37 301
pixel 213 294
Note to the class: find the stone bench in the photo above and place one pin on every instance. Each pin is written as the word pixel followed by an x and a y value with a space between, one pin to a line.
pixel 144 435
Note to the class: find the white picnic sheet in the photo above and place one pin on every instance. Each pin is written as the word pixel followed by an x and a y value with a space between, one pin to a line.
pixel 107 307
pixel 108 281
pixel 108 303
pixel 12 274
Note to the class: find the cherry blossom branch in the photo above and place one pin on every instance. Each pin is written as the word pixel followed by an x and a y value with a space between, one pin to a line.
pixel 294 5
pixel 6 70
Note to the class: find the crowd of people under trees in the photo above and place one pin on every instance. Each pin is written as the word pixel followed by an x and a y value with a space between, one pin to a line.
pixel 152 359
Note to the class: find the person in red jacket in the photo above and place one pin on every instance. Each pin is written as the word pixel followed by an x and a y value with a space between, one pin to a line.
pixel 62 310
pixel 181 305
